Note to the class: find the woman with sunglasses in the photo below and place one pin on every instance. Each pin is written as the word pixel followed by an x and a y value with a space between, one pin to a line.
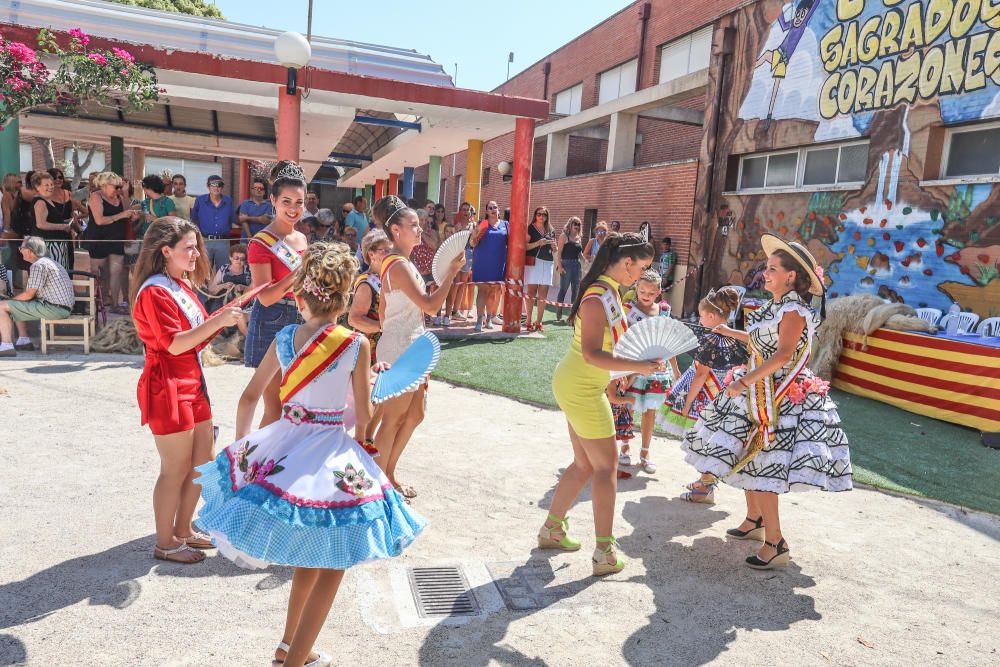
pixel 62 196
pixel 569 248
pixel 50 220
pixel 489 263
pixel 538 265
pixel 594 244
pixel 109 214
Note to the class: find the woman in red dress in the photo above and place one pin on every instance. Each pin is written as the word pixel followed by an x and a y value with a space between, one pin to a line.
pixel 173 400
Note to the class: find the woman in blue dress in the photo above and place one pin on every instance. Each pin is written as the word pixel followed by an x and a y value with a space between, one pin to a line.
pixel 489 264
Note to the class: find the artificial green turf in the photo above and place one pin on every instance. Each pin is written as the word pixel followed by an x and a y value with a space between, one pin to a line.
pixel 890 448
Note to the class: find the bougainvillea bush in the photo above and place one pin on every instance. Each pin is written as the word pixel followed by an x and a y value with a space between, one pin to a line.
pixel 79 75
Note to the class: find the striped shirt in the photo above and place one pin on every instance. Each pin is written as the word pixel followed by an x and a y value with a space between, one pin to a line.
pixel 51 283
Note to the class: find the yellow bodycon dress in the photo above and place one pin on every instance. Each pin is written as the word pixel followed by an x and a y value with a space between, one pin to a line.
pixel 579 387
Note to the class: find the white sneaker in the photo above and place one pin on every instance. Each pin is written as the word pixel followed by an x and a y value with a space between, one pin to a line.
pixel 446 321
pixel 437 321
pixel 489 323
pixel 497 319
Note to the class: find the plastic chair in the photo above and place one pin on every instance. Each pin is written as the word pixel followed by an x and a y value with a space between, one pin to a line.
pixel 966 321
pixel 989 327
pixel 931 315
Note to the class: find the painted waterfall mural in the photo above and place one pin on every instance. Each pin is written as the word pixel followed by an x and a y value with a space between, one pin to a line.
pixel 896 72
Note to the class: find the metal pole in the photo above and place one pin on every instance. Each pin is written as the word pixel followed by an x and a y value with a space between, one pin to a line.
pixel 309 23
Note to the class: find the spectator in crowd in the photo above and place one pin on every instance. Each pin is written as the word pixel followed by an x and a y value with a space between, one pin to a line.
pixel 8 196
pixel 668 261
pixel 47 296
pixel 422 255
pixel 168 183
pixel 229 282
pixel 215 216
pixel 109 214
pixel 326 229
pixel 345 211
pixel 440 218
pixel 616 226
pixel 358 217
pixel 312 204
pixel 62 196
pixel 460 289
pixel 182 200
pixel 82 193
pixel 430 207
pixel 538 265
pixel 489 262
pixel 51 220
pixel 463 214
pixel 156 203
pixel 569 249
pixel 351 238
pixel 22 216
pixel 594 244
pixel 307 226
pixel 255 213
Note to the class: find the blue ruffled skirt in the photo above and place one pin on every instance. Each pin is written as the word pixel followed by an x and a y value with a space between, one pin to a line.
pixel 303 496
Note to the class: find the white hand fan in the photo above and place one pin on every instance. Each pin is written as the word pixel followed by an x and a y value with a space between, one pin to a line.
pixel 452 247
pixel 654 338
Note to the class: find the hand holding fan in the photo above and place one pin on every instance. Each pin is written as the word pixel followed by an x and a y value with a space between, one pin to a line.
pixel 452 247
pixel 410 370
pixel 654 338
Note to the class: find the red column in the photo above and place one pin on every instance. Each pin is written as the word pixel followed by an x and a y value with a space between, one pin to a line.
pixel 289 114
pixel 245 180
pixel 393 184
pixel 379 188
pixel 517 242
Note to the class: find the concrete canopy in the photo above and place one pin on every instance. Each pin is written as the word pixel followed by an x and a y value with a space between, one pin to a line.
pixel 222 84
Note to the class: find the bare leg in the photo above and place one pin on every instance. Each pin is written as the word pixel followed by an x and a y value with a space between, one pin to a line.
pixel 573 479
pixel 753 512
pixel 201 453
pixel 481 294
pixel 604 482
pixel 6 325
pixel 116 264
pixel 175 466
pixel 648 421
pixel 393 417
pixel 374 422
pixel 100 267
pixel 303 582
pixel 414 417
pixel 317 608
pixel 768 505
pixel 272 403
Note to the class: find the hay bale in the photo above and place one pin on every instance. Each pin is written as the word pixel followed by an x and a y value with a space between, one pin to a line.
pixel 119 337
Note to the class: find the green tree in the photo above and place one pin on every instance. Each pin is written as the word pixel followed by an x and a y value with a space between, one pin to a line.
pixel 192 7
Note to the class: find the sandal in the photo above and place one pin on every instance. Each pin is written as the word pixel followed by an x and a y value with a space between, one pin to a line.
pixel 539 326
pixel 600 557
pixel 406 490
pixel 322 659
pixel 547 536
pixel 779 559
pixel 624 459
pixel 705 495
pixel 755 533
pixel 529 328
pixel 692 486
pixel 197 541
pixel 173 555
pixel 647 466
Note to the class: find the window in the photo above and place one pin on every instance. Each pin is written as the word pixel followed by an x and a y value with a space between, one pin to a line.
pixel 97 163
pixel 486 177
pixel 443 192
pixel 617 81
pixel 568 101
pixel 972 151
pixel 195 172
pixel 686 54
pixel 458 191
pixel 828 165
pixel 24 155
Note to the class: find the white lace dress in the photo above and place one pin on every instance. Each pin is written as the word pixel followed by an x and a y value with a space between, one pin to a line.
pixel 810 449
pixel 403 321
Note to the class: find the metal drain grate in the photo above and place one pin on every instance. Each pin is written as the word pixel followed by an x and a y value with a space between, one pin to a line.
pixel 442 591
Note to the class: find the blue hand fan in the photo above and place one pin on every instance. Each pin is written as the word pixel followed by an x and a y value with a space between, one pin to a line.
pixel 410 370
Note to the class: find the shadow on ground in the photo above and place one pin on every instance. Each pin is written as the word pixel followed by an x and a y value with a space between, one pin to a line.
pixel 106 578
pixel 12 651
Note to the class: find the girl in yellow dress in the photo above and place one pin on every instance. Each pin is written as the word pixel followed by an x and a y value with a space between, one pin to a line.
pixel 579 385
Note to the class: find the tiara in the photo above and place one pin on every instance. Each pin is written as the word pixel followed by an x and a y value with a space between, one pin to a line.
pixel 321 293
pixel 708 300
pixel 291 171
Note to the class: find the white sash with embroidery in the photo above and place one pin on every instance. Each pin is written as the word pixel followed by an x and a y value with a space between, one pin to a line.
pixel 374 282
pixel 192 312
pixel 285 255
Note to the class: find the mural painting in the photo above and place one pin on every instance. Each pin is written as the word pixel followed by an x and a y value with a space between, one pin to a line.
pixel 895 73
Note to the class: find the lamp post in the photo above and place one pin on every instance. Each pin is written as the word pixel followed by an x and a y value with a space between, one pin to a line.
pixel 292 51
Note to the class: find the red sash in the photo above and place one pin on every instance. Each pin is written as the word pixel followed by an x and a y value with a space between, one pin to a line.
pixel 324 349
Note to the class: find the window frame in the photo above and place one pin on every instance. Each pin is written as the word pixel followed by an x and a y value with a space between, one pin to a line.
pixel 620 66
pixel 946 150
pixel 801 153
pixel 570 89
pixel 689 38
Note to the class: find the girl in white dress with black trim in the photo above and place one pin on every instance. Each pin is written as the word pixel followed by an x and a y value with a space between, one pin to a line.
pixel 301 491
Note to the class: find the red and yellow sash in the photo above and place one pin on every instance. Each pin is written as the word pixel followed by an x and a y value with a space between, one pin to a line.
pixel 324 349
pixel 278 248
pixel 389 262
pixel 613 308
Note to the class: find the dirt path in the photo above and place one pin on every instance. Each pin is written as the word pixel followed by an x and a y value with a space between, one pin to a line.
pixel 876 578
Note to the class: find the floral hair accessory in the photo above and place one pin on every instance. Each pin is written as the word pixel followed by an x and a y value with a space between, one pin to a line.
pixel 820 274
pixel 309 286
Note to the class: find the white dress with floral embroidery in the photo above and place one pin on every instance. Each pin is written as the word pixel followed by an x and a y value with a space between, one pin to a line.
pixel 301 491
pixel 810 448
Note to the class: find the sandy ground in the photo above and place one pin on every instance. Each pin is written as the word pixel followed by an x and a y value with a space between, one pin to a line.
pixel 876 579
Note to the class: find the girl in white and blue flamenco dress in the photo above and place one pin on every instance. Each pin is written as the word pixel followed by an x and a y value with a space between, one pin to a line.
pixel 301 491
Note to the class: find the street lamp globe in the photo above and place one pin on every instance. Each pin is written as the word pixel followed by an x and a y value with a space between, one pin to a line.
pixel 292 50
pixel 504 168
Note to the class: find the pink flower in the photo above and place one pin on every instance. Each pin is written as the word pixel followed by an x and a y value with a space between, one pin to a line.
pixel 98 58
pixel 21 53
pixel 817 385
pixel 123 54
pixel 123 72
pixel 80 36
pixel 796 393
pixel 250 475
pixel 265 470
pixel 820 274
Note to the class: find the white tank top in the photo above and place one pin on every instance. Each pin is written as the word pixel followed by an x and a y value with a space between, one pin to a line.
pixel 403 322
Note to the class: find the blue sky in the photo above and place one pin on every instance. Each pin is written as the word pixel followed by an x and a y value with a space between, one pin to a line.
pixel 477 35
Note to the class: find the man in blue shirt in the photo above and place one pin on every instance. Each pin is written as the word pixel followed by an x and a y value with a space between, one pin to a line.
pixel 358 218
pixel 257 212
pixel 215 215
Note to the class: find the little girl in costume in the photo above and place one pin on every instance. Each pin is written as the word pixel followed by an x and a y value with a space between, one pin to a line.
pixel 649 391
pixel 301 491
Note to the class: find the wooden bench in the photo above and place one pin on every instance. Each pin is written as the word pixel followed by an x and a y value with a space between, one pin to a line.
pixel 84 289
